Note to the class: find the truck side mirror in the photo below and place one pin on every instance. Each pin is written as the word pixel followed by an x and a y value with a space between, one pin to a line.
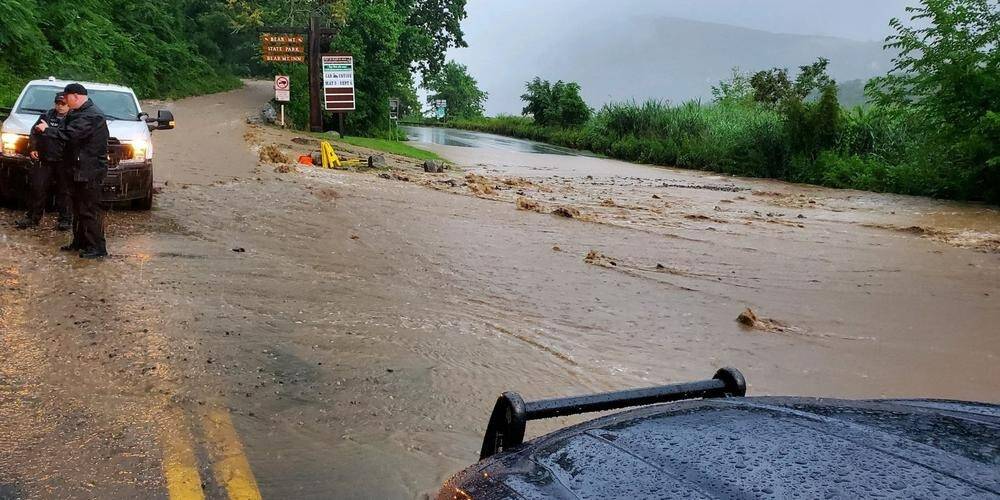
pixel 164 120
pixel 144 117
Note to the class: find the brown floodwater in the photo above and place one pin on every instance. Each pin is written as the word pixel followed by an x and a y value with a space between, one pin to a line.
pixel 358 329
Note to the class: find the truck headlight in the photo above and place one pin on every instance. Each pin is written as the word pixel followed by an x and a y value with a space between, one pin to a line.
pixel 10 142
pixel 139 149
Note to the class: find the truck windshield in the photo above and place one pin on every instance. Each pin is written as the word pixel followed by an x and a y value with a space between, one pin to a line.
pixel 116 105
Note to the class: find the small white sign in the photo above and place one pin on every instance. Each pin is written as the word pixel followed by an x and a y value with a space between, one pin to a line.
pixel 283 95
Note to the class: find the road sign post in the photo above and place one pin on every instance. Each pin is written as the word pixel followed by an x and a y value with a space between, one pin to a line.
pixel 440 109
pixel 282 48
pixel 284 44
pixel 394 109
pixel 338 85
pixel 282 93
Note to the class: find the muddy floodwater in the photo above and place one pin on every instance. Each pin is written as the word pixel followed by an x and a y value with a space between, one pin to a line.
pixel 344 334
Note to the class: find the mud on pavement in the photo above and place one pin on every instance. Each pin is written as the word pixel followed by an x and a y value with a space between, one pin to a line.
pixel 318 334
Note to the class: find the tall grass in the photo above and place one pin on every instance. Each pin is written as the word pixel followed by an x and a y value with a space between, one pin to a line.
pixel 872 151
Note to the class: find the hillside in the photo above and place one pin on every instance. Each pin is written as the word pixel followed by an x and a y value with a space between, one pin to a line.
pixel 161 49
pixel 663 58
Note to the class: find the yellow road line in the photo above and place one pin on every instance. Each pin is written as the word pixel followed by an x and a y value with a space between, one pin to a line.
pixel 230 464
pixel 180 467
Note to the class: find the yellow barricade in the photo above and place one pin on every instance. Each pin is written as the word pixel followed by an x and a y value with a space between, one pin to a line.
pixel 331 160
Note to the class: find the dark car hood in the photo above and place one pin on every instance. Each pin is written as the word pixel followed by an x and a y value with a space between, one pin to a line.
pixel 756 447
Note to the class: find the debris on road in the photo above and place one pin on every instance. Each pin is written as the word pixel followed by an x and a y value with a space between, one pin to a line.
pixel 433 166
pixel 479 185
pixel 376 161
pixel 599 259
pixel 271 154
pixel 568 212
pixel 285 168
pixel 527 204
pixel 305 141
pixel 750 320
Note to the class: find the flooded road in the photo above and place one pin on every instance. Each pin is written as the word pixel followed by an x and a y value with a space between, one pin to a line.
pixel 333 334
pixel 479 140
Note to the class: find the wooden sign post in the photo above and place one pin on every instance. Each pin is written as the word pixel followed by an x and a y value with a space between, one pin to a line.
pixel 296 45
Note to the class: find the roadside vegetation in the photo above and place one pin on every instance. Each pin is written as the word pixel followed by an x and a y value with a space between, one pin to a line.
pixel 177 48
pixel 390 146
pixel 159 48
pixel 931 126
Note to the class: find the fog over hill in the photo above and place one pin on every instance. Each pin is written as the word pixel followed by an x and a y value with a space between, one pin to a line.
pixel 631 50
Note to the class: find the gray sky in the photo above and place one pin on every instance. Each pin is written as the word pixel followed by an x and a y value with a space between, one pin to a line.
pixel 511 39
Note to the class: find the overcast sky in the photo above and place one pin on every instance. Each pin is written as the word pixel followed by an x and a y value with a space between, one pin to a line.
pixel 496 27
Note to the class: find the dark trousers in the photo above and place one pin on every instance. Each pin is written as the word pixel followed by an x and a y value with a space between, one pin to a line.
pixel 47 178
pixel 88 214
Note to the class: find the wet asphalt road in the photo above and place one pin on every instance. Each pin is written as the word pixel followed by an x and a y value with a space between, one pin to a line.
pixel 339 335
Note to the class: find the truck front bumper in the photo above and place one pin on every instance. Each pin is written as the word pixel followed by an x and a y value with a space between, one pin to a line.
pixel 125 182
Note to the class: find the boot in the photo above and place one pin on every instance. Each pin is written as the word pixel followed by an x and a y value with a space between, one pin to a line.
pixel 93 254
pixel 26 222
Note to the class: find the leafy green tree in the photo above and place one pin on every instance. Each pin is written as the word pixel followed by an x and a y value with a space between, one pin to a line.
pixel 945 83
pixel 813 127
pixel 771 86
pixel 409 103
pixel 454 84
pixel 159 48
pixel 389 39
pixel 558 104
pixel 736 89
pixel 774 86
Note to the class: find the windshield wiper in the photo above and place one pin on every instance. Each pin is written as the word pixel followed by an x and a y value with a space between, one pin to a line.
pixel 113 117
pixel 34 109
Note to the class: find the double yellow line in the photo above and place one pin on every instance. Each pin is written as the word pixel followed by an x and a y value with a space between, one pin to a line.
pixel 229 463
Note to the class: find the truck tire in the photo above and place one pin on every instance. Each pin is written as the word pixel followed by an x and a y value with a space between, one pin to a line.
pixel 146 202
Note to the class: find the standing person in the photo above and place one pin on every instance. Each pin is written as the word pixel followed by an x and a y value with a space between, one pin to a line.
pixel 85 134
pixel 48 172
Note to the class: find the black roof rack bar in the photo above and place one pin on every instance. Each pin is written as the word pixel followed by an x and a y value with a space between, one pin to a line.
pixel 511 413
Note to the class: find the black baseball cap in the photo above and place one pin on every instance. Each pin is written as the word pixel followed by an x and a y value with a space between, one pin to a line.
pixel 60 98
pixel 75 88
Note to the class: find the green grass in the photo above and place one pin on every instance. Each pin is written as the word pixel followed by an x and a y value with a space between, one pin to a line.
pixel 388 146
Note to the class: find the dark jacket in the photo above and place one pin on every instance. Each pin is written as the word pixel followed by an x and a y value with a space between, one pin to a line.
pixel 85 134
pixel 49 148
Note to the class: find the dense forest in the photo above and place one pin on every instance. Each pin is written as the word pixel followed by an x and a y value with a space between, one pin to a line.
pixel 175 48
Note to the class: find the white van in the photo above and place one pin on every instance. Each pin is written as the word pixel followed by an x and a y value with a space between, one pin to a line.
pixel 130 149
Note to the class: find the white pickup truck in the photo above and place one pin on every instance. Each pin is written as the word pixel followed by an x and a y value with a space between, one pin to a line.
pixel 130 148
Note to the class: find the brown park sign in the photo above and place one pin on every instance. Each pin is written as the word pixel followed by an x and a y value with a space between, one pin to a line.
pixel 282 48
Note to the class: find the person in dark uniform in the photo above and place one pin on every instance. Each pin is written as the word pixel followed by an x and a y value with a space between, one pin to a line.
pixel 85 136
pixel 48 172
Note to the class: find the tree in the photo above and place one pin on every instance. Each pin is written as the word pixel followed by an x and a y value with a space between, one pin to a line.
pixel 773 86
pixel 389 39
pixel 555 105
pixel 736 89
pixel 945 83
pixel 813 127
pixel 454 84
